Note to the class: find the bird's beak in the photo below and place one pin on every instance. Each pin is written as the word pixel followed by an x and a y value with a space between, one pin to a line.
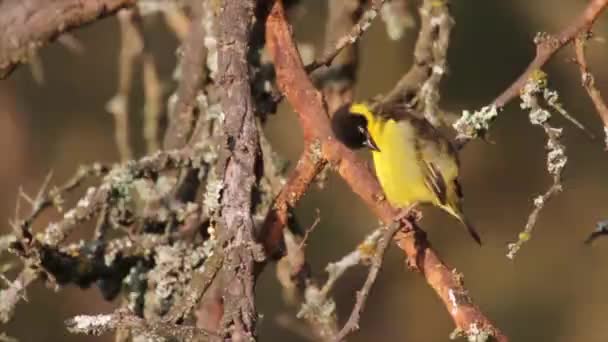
pixel 370 143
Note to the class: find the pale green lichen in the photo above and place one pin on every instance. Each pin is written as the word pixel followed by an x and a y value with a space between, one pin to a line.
pixel 316 151
pixel 213 194
pixel 470 125
pixel 476 333
pixel 121 181
pixel 317 306
pixel 397 19
pixel 556 157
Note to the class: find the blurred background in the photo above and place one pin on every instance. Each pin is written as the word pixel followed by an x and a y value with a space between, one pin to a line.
pixel 554 290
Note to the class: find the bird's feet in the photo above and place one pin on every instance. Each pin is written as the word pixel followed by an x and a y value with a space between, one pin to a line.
pixel 409 213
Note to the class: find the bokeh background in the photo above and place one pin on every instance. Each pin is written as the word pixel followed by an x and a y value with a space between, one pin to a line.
pixel 555 290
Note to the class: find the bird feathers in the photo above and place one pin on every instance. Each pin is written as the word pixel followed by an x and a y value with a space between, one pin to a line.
pixel 415 162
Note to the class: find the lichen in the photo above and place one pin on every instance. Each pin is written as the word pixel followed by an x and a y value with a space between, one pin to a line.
pixel 470 125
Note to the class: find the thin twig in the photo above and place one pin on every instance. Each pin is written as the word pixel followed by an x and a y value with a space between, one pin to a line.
pixel 177 20
pixel 550 44
pixel 319 308
pixel 353 321
pixel 192 72
pixel 355 34
pixel 588 82
pixel 130 50
pixel 418 88
pixel 153 93
pixel 337 80
pixel 476 124
pixel 15 292
pixel 44 199
pixel 198 286
pixel 364 252
pixel 310 229
pixel 535 90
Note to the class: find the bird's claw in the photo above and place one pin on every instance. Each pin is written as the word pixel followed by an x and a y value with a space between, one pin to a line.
pixel 409 213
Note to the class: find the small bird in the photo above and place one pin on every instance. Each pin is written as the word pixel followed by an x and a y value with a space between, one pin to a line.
pixel 413 161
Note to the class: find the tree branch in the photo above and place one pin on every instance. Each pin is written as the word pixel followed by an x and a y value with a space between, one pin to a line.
pixel 588 82
pixel 378 257
pixel 547 45
pixel 241 152
pixel 182 115
pixel 27 25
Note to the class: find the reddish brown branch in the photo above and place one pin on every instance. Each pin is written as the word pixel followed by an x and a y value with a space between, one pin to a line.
pixel 307 102
pixel 548 45
pixel 588 82
pixel 26 25
pixel 302 176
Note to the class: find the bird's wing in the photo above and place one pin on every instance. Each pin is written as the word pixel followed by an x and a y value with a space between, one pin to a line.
pixel 434 181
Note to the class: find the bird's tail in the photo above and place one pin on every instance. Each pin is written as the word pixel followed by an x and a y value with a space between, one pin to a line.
pixel 465 222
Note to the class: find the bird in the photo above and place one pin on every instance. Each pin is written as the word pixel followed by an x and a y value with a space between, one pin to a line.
pixel 414 163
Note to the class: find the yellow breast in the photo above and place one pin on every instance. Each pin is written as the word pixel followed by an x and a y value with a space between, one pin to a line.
pixel 398 164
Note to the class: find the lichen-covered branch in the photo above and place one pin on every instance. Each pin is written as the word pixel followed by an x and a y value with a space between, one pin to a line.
pixel 550 44
pixel 307 102
pixel 99 324
pixel 26 25
pixel 419 87
pixel 475 124
pixel 536 90
pixel 241 153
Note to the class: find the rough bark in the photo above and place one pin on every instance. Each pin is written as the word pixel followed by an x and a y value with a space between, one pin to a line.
pixel 26 25
pixel 242 152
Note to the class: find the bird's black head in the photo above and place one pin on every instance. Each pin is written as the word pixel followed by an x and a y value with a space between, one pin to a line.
pixel 350 128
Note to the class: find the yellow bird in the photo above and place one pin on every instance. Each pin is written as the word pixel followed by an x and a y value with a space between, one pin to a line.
pixel 413 161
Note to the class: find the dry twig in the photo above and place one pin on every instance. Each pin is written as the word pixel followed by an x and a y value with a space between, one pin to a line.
pixel 182 116
pixel 475 124
pixel 351 38
pixel 418 88
pixel 132 45
pixel 588 82
pixel 549 45
pixel 378 257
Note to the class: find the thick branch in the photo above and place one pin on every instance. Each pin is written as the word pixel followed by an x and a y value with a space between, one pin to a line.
pixel 242 152
pixel 307 102
pixel 26 25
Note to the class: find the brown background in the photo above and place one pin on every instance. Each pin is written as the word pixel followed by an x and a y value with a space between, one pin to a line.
pixel 555 290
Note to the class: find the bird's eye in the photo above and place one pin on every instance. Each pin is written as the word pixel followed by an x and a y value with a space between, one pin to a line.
pixel 362 130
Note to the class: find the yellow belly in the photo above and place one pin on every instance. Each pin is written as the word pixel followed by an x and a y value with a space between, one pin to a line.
pixel 398 167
